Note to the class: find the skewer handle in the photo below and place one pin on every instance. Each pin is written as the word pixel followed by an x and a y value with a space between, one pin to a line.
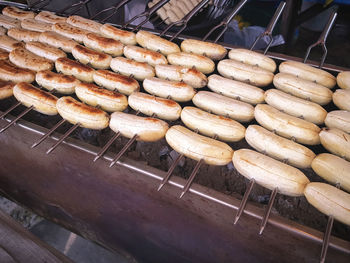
pixel 184 20
pixel 147 13
pixel 270 27
pixel 226 21
pixel 77 7
pixel 322 39
pixel 115 9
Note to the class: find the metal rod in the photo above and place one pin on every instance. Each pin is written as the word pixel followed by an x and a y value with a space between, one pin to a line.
pixel 173 166
pixel 270 27
pixel 226 21
pixel 268 211
pixel 125 148
pixel 72 129
pixel 325 242
pixel 268 46
pixel 109 143
pixel 36 3
pixel 184 20
pixel 115 9
pixel 30 5
pixel 105 148
pixel 275 17
pixel 244 200
pixel 191 178
pixel 48 133
pixel 87 10
pixel 322 39
pixel 102 11
pixel 78 6
pixel 170 171
pixel 327 235
pixel 16 119
pixel 147 14
pixel 10 109
pixel 161 22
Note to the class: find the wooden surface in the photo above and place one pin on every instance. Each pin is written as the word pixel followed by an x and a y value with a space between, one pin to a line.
pixel 18 245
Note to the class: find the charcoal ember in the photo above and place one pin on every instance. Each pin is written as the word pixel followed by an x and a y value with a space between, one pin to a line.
pixel 88 135
pixel 202 176
pixel 104 136
pixel 216 178
pixel 284 203
pixel 150 151
pixel 303 204
pixel 134 155
pixel 40 119
pixel 7 103
pixel 172 157
pixel 234 182
pixel 164 151
pixel 263 199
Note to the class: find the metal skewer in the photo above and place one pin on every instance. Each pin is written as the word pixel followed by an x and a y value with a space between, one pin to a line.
pixel 270 27
pixel 225 22
pixel 172 167
pixel 76 7
pixel 193 174
pixel 115 9
pixel 268 211
pixel 244 200
pixel 322 39
pixel 125 148
pixel 17 118
pixel 10 109
pixel 31 6
pixel 155 18
pixel 161 22
pixel 170 171
pixel 48 133
pixel 147 14
pixel 73 128
pixel 191 178
pixel 327 235
pixel 184 20
pixel 108 144
pixel 325 242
